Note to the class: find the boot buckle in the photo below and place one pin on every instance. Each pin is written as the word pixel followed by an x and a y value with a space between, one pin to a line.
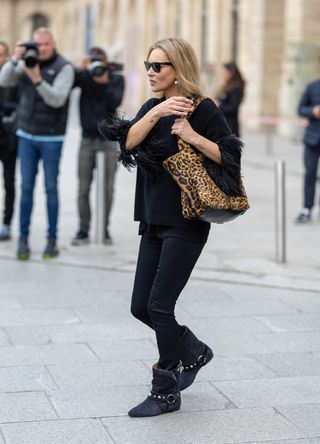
pixel 171 399
pixel 202 360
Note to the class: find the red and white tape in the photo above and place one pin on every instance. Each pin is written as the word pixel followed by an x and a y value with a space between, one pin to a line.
pixel 275 120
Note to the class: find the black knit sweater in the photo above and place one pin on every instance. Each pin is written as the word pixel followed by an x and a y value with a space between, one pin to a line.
pixel 158 201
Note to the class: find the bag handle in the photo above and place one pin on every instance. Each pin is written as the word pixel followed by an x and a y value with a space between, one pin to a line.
pixel 196 102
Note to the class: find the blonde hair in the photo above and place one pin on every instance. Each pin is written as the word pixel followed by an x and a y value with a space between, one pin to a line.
pixel 183 58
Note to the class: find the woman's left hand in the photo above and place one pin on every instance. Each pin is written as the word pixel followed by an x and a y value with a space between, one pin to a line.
pixel 183 129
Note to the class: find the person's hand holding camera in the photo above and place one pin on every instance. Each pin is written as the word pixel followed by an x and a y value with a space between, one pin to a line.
pixel 102 79
pixel 316 111
pixel 85 63
pixel 34 74
pixel 19 52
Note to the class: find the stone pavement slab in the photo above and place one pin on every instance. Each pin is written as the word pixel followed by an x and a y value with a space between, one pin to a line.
pixel 229 426
pixel 291 364
pixel 27 335
pixel 291 341
pixel 28 406
pixel 97 403
pixel 81 431
pixel 20 379
pixel 291 322
pixel 271 392
pixel 305 417
pixel 37 317
pixel 100 376
pixel 244 307
pixel 293 441
pixel 46 354
pixel 114 401
pixel 128 349
pixel 126 329
pixel 233 368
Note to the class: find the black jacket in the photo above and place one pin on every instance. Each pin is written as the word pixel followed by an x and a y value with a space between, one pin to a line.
pixel 229 105
pixel 97 100
pixel 311 98
pixel 8 122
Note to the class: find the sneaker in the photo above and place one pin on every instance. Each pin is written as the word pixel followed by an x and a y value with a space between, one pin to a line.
pixel 303 218
pixel 51 249
pixel 4 232
pixel 23 253
pixel 81 238
pixel 107 240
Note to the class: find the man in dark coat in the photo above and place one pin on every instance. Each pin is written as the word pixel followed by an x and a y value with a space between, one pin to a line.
pixel 101 93
pixel 8 152
pixel 309 107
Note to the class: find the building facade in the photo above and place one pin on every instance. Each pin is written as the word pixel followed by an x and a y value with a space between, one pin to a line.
pixel 276 43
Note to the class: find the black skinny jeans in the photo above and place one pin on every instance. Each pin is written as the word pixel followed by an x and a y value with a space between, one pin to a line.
pixel 8 158
pixel 164 265
pixel 311 159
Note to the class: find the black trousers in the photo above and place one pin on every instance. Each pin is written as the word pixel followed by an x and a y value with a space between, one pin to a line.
pixel 8 158
pixel 311 159
pixel 165 261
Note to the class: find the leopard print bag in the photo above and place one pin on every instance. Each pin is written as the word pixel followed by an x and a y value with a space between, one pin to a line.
pixel 201 198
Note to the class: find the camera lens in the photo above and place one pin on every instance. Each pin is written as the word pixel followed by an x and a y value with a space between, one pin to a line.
pixel 97 69
pixel 31 58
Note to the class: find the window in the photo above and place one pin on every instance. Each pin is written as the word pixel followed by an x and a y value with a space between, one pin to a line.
pixel 37 21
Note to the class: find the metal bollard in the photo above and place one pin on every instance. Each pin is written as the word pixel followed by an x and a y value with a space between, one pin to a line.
pixel 100 198
pixel 280 211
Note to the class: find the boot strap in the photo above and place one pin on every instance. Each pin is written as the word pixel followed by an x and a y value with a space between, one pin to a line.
pixel 199 363
pixel 170 398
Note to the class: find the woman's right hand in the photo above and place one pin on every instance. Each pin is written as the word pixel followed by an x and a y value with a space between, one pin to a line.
pixel 177 106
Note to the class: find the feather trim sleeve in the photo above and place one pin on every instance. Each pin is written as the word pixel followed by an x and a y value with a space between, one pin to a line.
pixel 116 128
pixel 227 175
pixel 148 156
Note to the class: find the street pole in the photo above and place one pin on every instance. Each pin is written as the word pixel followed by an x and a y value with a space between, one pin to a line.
pixel 280 211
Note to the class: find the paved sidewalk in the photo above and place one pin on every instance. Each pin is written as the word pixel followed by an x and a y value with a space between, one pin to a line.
pixel 73 360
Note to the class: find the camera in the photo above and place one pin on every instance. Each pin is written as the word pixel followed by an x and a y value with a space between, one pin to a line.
pixel 30 57
pixel 97 68
pixel 112 67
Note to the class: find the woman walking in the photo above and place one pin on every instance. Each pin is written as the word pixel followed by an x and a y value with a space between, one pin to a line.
pixel 170 245
pixel 231 95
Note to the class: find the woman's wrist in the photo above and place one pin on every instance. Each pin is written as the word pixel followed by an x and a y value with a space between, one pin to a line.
pixel 196 140
pixel 207 147
pixel 154 115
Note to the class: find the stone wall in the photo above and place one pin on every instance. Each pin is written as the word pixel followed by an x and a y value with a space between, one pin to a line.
pixel 278 41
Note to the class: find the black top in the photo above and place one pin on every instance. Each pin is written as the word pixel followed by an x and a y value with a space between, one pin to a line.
pixel 311 98
pixel 9 99
pixel 229 105
pixel 97 100
pixel 158 201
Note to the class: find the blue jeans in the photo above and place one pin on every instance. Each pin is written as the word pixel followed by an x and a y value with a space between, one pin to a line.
pixel 30 152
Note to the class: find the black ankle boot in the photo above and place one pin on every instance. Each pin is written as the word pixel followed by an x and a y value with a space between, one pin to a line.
pixel 194 355
pixel 164 396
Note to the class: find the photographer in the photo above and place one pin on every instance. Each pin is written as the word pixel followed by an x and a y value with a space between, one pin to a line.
pixel 101 93
pixel 45 80
pixel 8 152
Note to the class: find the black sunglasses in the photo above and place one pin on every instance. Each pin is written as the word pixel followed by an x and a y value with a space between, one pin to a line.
pixel 156 66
